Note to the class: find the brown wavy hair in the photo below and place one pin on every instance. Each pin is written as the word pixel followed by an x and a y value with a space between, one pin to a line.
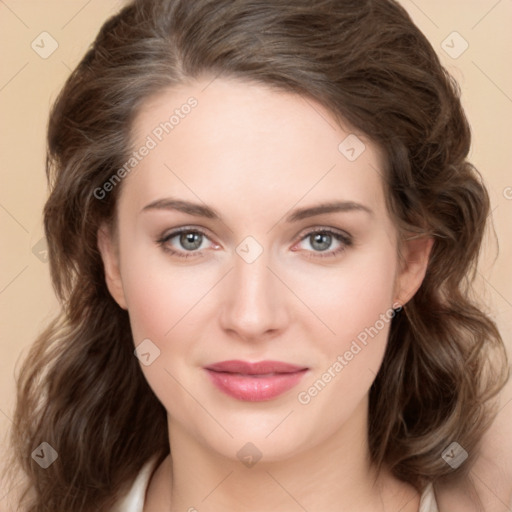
pixel 82 390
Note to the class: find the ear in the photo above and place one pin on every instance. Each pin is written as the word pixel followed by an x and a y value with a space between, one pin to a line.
pixel 414 257
pixel 108 248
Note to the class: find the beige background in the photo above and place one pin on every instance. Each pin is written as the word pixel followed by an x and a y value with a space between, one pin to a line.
pixel 30 83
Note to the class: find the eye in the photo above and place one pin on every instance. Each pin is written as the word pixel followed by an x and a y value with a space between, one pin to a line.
pixel 188 240
pixel 322 239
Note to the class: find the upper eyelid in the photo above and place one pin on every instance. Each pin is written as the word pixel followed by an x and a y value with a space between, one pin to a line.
pixel 321 229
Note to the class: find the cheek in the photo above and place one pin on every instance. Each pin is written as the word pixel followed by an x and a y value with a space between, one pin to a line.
pixel 161 308
pixel 356 303
pixel 159 293
pixel 350 298
pixel 151 303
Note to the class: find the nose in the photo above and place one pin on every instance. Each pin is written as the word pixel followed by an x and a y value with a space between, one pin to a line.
pixel 254 300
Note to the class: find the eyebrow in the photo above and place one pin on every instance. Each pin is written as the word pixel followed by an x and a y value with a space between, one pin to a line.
pixel 200 210
pixel 182 206
pixel 332 207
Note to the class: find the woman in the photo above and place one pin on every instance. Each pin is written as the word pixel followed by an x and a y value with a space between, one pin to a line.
pixel 261 225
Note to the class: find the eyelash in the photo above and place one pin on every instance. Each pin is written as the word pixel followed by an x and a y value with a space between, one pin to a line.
pixel 345 239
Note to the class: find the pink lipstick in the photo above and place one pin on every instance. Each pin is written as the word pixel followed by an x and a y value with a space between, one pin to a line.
pixel 254 382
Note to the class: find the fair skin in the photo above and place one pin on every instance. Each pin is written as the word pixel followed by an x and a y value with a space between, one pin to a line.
pixel 256 155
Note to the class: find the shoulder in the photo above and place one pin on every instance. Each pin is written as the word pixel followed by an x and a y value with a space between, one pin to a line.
pixel 133 500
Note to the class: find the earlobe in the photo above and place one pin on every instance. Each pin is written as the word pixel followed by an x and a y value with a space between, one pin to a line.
pixel 110 257
pixel 415 258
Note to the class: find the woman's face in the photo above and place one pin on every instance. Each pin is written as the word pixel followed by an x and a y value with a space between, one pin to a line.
pixel 257 274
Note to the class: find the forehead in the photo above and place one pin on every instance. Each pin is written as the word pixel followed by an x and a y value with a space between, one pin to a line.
pixel 243 147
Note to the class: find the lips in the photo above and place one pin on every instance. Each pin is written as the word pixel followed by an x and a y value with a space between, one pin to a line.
pixel 254 382
pixel 259 368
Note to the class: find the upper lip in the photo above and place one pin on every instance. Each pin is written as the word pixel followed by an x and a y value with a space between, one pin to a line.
pixel 257 368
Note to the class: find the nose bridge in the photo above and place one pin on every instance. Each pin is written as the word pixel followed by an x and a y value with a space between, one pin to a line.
pixel 253 303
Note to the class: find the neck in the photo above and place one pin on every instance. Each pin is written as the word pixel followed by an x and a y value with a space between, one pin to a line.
pixel 334 476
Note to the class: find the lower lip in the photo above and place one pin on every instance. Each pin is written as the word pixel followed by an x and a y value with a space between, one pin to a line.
pixel 252 388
